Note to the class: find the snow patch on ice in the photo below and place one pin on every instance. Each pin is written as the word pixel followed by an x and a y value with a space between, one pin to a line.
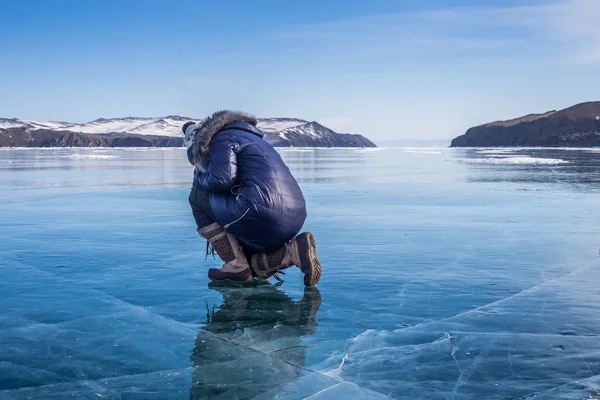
pixel 150 148
pixel 295 149
pixel 369 149
pixel 497 151
pixel 90 156
pixel 515 160
pixel 423 151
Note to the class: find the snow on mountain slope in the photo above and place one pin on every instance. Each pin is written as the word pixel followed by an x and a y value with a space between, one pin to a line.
pixel 102 125
pixel 6 123
pixel 276 125
pixel 278 131
pixel 166 126
pixel 308 129
pixel 19 123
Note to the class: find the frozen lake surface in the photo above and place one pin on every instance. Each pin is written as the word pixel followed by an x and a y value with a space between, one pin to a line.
pixel 448 273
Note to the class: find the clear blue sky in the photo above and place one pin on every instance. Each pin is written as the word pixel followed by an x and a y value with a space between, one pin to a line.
pixel 385 68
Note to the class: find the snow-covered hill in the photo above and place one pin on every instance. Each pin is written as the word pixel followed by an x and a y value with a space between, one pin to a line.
pixel 21 123
pixel 166 126
pixel 276 125
pixel 278 131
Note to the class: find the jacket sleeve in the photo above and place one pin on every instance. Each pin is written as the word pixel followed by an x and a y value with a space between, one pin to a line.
pixel 222 167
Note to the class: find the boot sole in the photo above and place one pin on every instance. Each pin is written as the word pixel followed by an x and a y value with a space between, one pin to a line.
pixel 309 262
pixel 229 279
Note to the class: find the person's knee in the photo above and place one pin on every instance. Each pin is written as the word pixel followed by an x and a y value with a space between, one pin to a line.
pixel 192 196
pixel 198 200
pixel 201 208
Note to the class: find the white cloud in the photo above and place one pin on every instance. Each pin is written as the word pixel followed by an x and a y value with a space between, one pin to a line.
pixel 570 27
pixel 562 29
pixel 576 23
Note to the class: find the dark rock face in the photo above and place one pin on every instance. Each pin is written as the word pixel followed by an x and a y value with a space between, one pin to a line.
pixel 23 137
pixel 577 126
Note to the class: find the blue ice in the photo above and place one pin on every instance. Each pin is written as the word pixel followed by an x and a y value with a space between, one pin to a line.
pixel 448 273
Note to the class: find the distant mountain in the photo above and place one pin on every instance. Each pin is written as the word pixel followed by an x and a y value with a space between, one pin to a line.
pixel 160 132
pixel 576 126
pixel 414 143
pixel 166 126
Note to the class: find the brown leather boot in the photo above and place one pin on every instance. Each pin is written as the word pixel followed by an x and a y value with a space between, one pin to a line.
pixel 301 252
pixel 236 268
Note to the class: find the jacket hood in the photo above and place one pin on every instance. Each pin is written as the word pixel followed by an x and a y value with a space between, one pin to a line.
pixel 207 128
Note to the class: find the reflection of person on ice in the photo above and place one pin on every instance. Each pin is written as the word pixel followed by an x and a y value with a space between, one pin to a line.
pixel 254 343
pixel 246 202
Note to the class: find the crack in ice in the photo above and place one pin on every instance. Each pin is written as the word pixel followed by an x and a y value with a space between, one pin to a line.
pixel 107 379
pixel 459 380
pixel 476 309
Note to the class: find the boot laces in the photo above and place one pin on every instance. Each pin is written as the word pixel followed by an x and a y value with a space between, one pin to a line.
pixel 209 250
pixel 276 276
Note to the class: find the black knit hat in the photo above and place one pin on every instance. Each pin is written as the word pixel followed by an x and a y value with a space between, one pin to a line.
pixel 186 125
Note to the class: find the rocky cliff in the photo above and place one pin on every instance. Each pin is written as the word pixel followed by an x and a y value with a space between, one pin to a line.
pixel 23 137
pixel 576 126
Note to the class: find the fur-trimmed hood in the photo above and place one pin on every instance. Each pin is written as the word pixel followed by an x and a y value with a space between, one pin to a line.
pixel 207 128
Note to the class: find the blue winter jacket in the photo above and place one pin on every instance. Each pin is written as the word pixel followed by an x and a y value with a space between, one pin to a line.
pixel 252 192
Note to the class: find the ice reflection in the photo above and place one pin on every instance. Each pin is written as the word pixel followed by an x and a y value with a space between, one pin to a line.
pixel 89 168
pixel 578 169
pixel 253 342
pixel 322 165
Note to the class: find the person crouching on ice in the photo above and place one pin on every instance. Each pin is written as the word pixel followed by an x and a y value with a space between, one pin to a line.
pixel 246 202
